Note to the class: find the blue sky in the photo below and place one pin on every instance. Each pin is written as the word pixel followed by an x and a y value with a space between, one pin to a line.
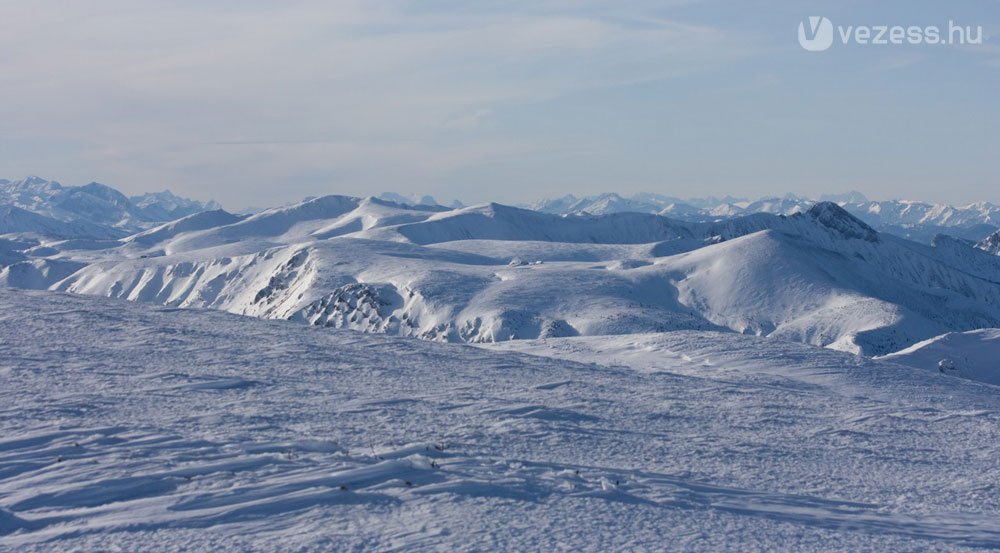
pixel 255 103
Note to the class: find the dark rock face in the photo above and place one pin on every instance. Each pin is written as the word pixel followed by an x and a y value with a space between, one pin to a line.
pixel 837 218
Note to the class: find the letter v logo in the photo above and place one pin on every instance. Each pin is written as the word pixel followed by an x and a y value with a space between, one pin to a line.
pixel 816 34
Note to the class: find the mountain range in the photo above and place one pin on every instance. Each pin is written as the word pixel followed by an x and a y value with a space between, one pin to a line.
pixel 919 221
pixel 492 273
pixel 797 380
pixel 94 210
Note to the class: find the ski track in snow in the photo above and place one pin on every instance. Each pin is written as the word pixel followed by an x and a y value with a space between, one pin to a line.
pixel 140 428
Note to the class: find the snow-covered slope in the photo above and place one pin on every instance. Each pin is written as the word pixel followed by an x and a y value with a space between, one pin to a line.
pixel 135 428
pixel 974 355
pixel 834 283
pixel 316 219
pixel 198 221
pixel 11 251
pixel 14 220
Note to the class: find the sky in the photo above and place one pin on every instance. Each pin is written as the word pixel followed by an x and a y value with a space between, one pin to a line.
pixel 258 103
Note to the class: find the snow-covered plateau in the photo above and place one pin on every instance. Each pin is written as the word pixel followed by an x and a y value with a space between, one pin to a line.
pixel 138 428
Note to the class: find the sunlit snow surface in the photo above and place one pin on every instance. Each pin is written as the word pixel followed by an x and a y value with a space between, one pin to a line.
pixel 141 428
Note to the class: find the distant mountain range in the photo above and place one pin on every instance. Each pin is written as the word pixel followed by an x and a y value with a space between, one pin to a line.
pixel 94 210
pixel 98 211
pixel 915 220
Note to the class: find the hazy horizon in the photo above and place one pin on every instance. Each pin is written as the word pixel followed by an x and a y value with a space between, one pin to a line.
pixel 448 200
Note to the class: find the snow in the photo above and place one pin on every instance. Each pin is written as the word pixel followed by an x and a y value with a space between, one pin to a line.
pixel 135 427
pixel 166 206
pixel 991 243
pixel 38 273
pixel 198 221
pixel 974 355
pixel 11 251
pixel 94 210
pixel 919 221
pixel 493 273
pixel 14 220
pixel 638 382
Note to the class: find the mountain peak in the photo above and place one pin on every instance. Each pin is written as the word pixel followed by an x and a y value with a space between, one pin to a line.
pixel 104 192
pixel 837 218
pixel 991 243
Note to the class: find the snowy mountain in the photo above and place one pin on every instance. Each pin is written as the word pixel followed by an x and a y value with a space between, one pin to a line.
pixel 132 428
pixel 198 221
pixel 494 273
pixel 601 205
pixel 991 243
pixel 95 206
pixel 918 221
pixel 165 206
pixel 416 200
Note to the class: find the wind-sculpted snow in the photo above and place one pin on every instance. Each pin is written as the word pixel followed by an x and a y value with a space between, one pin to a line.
pixel 494 273
pixel 130 427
